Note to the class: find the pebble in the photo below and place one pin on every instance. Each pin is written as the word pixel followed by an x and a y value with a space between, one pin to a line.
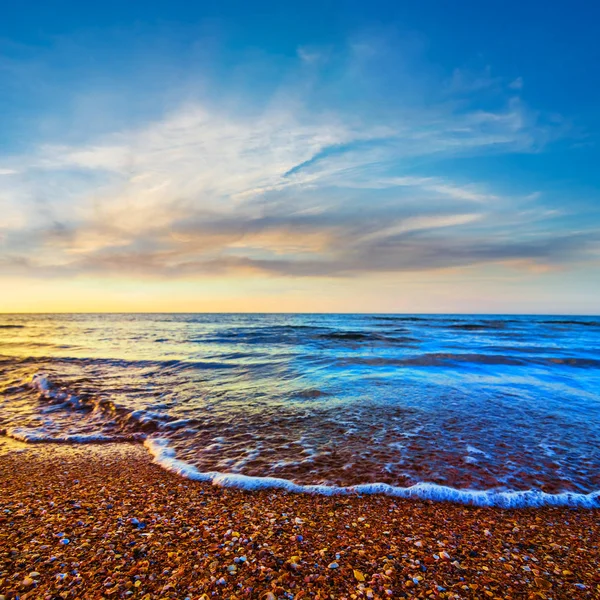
pixel 197 537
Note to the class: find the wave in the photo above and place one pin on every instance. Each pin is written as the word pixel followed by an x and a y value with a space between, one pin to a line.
pixel 290 334
pixel 164 456
pixel 478 326
pixel 12 326
pixel 442 359
pixel 122 362
pixel 311 393
pixel 136 423
pixel 38 436
pixel 257 335
pixel 359 336
pixel 401 318
pixel 583 323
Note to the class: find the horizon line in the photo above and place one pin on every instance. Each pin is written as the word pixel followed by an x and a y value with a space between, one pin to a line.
pixel 512 314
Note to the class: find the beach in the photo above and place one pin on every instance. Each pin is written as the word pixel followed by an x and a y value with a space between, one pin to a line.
pixel 103 521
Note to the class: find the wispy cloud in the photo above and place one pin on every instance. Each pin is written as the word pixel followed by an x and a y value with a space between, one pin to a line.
pixel 296 189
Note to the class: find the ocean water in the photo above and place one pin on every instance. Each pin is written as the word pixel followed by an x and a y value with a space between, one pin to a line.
pixel 498 410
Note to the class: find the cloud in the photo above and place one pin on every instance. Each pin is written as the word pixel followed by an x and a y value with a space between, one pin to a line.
pixel 296 189
pixel 310 55
pixel 516 84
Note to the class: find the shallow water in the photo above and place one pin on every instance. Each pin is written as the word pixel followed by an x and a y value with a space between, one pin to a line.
pixel 489 403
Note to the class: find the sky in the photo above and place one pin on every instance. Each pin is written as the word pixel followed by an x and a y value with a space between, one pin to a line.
pixel 300 157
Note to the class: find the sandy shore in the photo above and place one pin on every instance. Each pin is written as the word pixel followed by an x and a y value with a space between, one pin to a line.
pixel 105 522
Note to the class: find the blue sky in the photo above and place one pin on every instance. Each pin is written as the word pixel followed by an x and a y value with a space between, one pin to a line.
pixel 344 156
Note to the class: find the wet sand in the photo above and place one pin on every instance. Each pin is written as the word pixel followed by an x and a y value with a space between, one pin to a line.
pixel 103 521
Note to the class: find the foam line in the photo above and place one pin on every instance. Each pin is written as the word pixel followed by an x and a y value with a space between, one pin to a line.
pixel 31 435
pixel 164 456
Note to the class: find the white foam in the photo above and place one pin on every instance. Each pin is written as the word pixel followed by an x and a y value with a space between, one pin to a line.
pixel 177 424
pixel 32 435
pixel 41 383
pixel 165 457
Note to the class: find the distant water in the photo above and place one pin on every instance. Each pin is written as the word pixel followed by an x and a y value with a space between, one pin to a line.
pixel 486 409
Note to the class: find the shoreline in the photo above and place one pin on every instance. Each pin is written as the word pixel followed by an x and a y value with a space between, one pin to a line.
pixel 161 453
pixel 135 530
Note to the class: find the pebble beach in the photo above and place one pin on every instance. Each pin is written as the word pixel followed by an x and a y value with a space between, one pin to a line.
pixel 103 521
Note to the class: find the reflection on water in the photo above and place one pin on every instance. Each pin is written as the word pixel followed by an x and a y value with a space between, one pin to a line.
pixel 466 401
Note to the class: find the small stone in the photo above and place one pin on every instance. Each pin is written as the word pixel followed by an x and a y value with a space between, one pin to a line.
pixel 28 581
pixel 358 575
pixel 543 583
pixel 333 565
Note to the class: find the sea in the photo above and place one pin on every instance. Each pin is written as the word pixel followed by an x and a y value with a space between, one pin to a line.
pixel 481 409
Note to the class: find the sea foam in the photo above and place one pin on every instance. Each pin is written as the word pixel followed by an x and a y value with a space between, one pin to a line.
pixel 165 456
pixel 39 435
